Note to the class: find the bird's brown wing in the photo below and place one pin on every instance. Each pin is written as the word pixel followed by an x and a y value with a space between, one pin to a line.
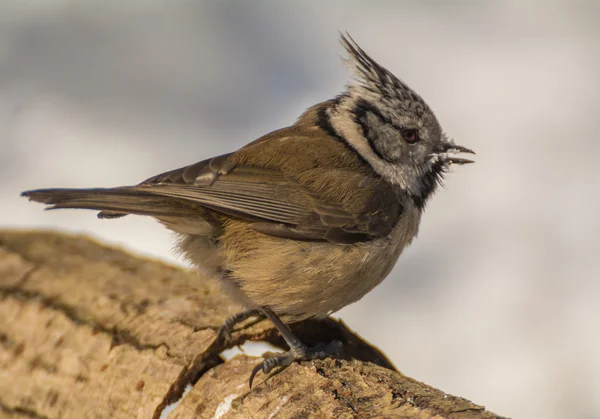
pixel 300 195
pixel 282 205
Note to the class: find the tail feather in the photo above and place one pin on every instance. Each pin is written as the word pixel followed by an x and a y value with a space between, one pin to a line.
pixel 112 202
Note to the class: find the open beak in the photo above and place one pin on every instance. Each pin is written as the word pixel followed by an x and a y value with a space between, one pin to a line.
pixel 446 147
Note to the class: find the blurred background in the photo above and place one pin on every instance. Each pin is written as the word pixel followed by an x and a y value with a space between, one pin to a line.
pixel 498 300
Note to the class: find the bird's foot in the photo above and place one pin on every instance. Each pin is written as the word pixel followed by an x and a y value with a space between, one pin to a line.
pixel 295 354
pixel 225 330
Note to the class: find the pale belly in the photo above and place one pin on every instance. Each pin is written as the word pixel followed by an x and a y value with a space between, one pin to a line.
pixel 308 279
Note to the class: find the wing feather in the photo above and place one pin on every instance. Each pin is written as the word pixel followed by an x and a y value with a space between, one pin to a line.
pixel 300 195
pixel 277 204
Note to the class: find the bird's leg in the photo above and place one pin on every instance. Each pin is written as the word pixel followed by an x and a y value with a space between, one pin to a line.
pixel 298 350
pixel 225 330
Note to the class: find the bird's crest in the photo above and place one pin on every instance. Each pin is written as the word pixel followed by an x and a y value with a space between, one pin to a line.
pixel 372 79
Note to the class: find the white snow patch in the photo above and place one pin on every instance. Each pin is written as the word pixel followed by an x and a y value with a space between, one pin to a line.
pixel 249 348
pixel 165 413
pixel 224 406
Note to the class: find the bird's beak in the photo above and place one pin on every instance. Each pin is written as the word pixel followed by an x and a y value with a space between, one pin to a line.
pixel 446 147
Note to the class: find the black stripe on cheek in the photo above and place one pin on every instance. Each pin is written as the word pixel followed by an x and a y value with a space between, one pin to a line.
pixel 429 184
pixel 360 117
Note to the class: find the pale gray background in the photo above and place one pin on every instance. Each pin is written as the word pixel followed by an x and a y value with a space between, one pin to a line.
pixel 499 298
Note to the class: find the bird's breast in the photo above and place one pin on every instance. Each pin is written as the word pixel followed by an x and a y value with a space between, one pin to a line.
pixel 310 279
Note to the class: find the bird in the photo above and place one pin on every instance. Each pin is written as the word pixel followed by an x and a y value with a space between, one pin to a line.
pixel 304 220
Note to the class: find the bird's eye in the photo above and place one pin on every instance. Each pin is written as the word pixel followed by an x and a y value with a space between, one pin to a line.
pixel 410 135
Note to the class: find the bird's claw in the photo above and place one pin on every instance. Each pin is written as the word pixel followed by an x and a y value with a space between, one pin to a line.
pixel 295 354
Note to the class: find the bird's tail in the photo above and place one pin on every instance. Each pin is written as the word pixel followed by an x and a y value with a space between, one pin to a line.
pixel 111 202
